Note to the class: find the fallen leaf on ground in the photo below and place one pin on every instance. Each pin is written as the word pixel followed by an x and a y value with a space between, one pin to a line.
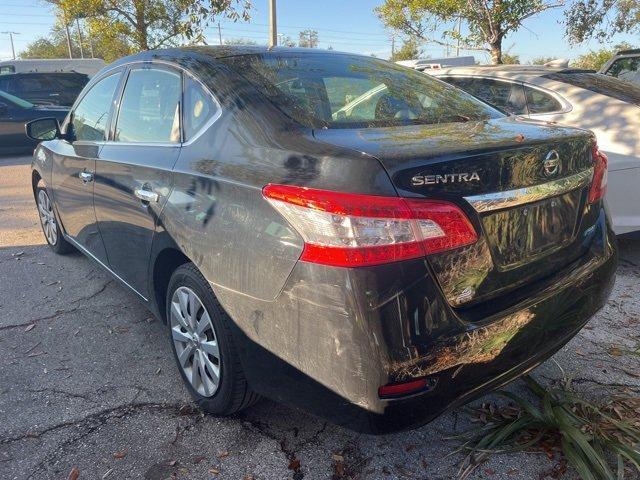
pixel 223 454
pixel 172 463
pixel 120 454
pixel 30 327
pixel 294 464
pixel 214 471
pixel 199 459
pixel 74 474
pixel 107 473
pixel 614 351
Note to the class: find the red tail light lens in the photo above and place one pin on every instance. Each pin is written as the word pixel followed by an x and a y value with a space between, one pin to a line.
pixel 402 389
pixel 599 182
pixel 354 230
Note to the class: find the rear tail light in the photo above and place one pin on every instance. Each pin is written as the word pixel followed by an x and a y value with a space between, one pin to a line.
pixel 599 182
pixel 394 390
pixel 354 230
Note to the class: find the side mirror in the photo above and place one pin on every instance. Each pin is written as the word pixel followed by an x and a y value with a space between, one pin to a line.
pixel 43 129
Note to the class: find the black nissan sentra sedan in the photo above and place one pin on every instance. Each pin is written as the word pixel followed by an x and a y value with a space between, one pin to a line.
pixel 329 230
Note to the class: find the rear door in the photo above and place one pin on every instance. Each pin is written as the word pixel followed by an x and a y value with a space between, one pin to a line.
pixel 74 162
pixel 507 96
pixel 133 170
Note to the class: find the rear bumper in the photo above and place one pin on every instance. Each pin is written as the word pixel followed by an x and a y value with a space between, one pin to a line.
pixel 334 336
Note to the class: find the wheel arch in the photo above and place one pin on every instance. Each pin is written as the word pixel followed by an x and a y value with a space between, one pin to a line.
pixel 36 178
pixel 166 257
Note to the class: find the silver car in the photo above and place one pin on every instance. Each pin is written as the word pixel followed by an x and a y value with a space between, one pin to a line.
pixel 579 98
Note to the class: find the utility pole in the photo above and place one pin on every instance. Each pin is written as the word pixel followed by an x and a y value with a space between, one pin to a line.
pixel 90 44
pixel 459 28
pixel 66 27
pixel 80 38
pixel 273 28
pixel 13 50
pixel 393 46
pixel 219 33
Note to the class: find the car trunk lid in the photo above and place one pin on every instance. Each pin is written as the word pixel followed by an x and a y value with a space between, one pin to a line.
pixel 523 186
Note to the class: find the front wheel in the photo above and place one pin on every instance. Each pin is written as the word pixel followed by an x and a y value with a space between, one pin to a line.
pixel 50 224
pixel 203 345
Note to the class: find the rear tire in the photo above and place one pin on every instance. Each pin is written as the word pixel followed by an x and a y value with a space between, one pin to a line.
pixel 50 223
pixel 202 344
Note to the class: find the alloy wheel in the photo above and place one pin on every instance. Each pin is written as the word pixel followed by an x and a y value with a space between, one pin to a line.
pixel 47 217
pixel 195 341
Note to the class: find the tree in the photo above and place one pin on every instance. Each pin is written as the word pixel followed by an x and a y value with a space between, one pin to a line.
pixel 595 59
pixel 286 41
pixel 601 19
pixel 488 21
pixel 408 51
pixel 509 59
pixel 541 60
pixel 149 24
pixel 308 39
pixel 106 43
pixel 239 41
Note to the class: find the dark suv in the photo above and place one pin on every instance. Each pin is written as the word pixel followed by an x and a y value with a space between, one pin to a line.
pixel 329 230
pixel 55 88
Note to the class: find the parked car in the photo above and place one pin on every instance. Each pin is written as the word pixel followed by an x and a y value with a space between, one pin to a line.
pixel 45 88
pixel 624 65
pixel 375 267
pixel 14 114
pixel 579 98
pixel 88 66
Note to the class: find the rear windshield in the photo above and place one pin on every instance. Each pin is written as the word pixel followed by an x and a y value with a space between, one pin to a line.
pixel 599 83
pixel 347 91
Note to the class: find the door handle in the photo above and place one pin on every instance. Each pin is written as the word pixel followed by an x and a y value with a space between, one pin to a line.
pixel 86 177
pixel 146 195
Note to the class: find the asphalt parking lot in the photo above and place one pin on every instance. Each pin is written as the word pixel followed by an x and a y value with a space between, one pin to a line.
pixel 87 381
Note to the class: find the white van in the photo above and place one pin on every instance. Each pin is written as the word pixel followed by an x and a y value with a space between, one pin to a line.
pixel 88 66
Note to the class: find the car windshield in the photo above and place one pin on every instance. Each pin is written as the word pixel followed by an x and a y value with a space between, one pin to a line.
pixel 599 83
pixel 348 91
pixel 16 100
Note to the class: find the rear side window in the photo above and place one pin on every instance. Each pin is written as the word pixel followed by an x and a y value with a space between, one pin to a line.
pixel 541 102
pixel 7 69
pixel 507 96
pixel 91 116
pixel 199 107
pixel 348 91
pixel 627 69
pixel 64 82
pixel 31 84
pixel 601 84
pixel 150 107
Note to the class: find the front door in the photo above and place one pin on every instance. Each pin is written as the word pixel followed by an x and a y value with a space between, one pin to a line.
pixel 74 164
pixel 133 170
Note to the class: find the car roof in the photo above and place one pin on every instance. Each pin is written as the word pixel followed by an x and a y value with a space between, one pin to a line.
pixel 182 55
pixel 632 51
pixel 506 71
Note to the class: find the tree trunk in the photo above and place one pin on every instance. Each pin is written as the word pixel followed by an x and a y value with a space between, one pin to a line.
pixel 496 52
pixel 141 26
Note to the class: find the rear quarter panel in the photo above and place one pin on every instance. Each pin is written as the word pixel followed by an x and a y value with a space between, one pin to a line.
pixel 216 213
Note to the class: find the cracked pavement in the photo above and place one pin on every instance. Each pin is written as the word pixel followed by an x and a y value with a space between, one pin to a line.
pixel 87 380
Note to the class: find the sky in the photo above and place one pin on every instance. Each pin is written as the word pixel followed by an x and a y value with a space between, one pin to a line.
pixel 345 25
